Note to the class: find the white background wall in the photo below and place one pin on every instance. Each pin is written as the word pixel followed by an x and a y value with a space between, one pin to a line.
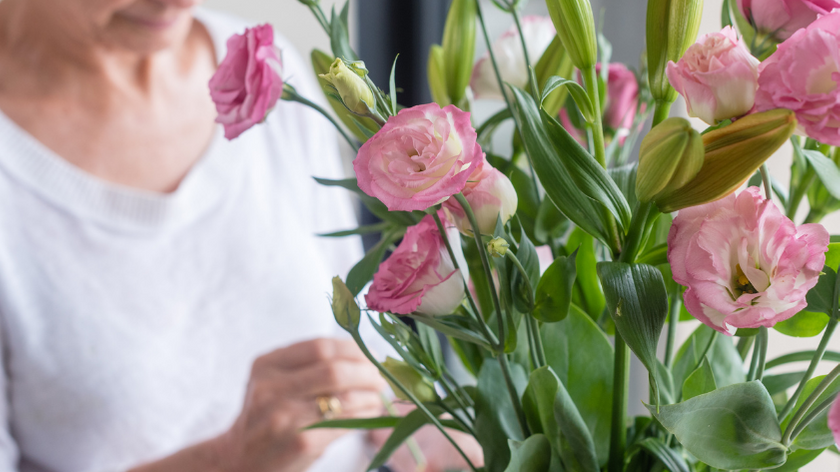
pixel 624 25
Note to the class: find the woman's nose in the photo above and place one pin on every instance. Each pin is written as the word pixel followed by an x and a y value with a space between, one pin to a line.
pixel 179 3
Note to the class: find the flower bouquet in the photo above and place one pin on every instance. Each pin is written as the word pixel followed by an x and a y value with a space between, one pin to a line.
pixel 528 263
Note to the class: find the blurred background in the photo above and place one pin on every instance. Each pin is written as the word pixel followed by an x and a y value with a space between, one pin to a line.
pixel 381 29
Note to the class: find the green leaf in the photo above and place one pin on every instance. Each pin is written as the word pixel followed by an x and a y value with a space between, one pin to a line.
pixel 374 205
pixel 576 446
pixel 731 428
pixel 451 329
pixel 638 303
pixel 368 229
pixel 527 255
pixel 826 170
pixel 431 344
pixel 625 178
pixel 571 181
pixel 363 271
pixel 701 381
pixel 359 423
pixel 554 291
pixel 804 324
pixel 781 382
pixel 725 16
pixel 801 356
pixel 577 93
pixel 723 358
pixel 405 428
pixel 670 458
pixel 550 223
pixel 656 256
pixel 340 39
pixel 495 418
pixel 530 455
pixel 392 84
pixel 816 435
pixel 799 459
pixel 590 297
pixel 820 298
pixel 581 356
pixel 538 404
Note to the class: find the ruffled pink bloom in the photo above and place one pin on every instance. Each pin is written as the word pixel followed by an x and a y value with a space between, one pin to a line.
pixel 834 419
pixel 803 75
pixel 717 76
pixel 538 32
pixel 782 18
pixel 490 195
pixel 420 276
pixel 247 84
pixel 622 98
pixel 745 264
pixel 420 158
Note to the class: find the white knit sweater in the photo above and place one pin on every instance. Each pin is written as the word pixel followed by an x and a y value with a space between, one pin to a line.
pixel 130 319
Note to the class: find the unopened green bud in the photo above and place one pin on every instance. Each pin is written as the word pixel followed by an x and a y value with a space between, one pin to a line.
pixel 412 380
pixel 733 154
pixel 672 27
pixel 437 76
pixel 498 247
pixel 459 47
pixel 344 306
pixel 576 28
pixel 351 86
pixel 670 156
pixel 321 63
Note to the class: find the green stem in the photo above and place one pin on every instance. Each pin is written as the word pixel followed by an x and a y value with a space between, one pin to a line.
pixel 818 355
pixel 800 191
pixel 707 348
pixel 814 216
pixel 621 391
pixel 765 178
pixel 510 255
pixel 812 416
pixel 535 89
pixel 456 417
pixel 488 335
pixel 590 78
pixel 499 347
pixel 636 235
pixel 808 403
pixel 673 322
pixel 751 374
pixel 420 406
pixel 322 19
pixel 538 350
pixel 411 443
pixel 532 344
pixel 291 95
pixel 763 336
pixel 464 396
pixel 452 393
pixel 509 104
pixel 744 345
pixel 663 110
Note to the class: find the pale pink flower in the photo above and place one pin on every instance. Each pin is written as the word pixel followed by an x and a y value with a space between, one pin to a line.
pixel 490 195
pixel 247 84
pixel 420 158
pixel 782 18
pixel 834 419
pixel 420 276
pixel 538 32
pixel 717 76
pixel 745 264
pixel 803 75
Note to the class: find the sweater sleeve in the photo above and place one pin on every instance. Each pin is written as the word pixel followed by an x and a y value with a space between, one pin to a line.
pixel 9 453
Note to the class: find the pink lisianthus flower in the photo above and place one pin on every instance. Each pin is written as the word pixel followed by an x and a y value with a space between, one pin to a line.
pixel 490 194
pixel 420 276
pixel 745 264
pixel 538 32
pixel 247 84
pixel 834 419
pixel 420 158
pixel 782 18
pixel 803 76
pixel 717 76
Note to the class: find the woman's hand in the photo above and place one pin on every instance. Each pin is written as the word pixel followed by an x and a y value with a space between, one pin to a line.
pixel 282 398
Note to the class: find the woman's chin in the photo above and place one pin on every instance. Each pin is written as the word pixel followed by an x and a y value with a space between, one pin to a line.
pixel 147 35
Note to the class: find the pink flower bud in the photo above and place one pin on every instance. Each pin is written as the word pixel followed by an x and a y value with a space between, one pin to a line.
pixel 247 84
pixel 745 264
pixel 717 76
pixel 834 419
pixel 622 99
pixel 420 276
pixel 782 18
pixel 490 194
pixel 803 76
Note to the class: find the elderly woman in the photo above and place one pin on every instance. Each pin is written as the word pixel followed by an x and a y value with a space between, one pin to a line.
pixel 150 269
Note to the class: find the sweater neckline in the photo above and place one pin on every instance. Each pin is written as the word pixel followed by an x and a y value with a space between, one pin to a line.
pixel 117 206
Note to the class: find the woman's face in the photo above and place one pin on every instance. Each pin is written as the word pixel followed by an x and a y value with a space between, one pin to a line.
pixel 141 26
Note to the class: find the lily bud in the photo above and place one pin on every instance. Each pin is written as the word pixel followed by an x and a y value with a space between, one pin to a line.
pixel 576 28
pixel 670 156
pixel 412 380
pixel 498 247
pixel 733 154
pixel 459 47
pixel 437 76
pixel 351 86
pixel 344 306
pixel 672 27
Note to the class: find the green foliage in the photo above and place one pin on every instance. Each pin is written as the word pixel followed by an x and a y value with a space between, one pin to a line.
pixel 804 324
pixel 816 435
pixel 731 428
pixel 723 358
pixel 495 418
pixel 701 381
pixel 530 455
pixel 554 291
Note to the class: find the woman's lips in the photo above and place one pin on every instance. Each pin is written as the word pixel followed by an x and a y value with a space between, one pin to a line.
pixel 151 22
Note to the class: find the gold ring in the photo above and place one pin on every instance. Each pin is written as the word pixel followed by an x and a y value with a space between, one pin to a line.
pixel 330 407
